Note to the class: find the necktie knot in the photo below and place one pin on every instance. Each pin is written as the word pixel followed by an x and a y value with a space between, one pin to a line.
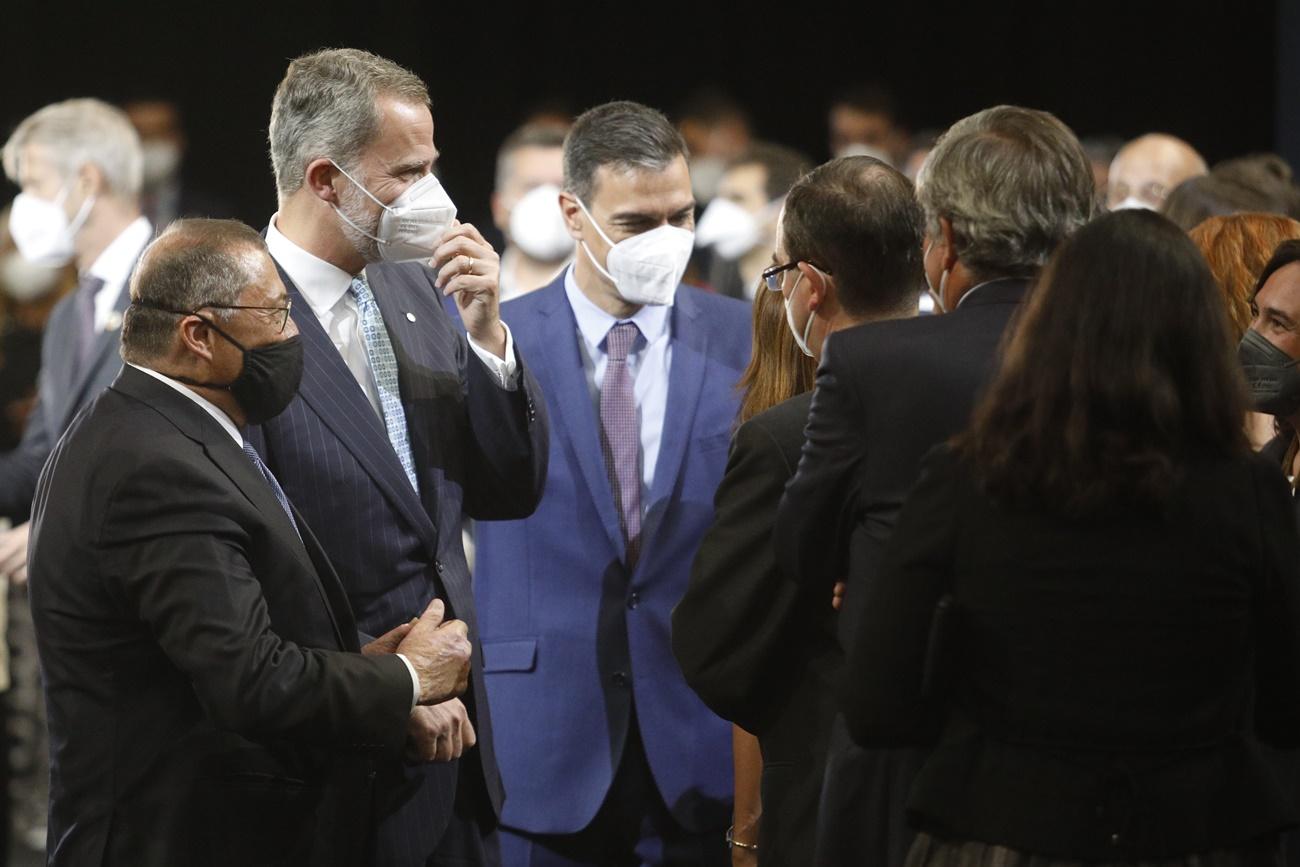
pixel 619 340
pixel 360 290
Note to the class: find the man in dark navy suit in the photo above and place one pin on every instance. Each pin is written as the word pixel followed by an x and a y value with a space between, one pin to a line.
pixel 607 754
pixel 403 424
pixel 78 164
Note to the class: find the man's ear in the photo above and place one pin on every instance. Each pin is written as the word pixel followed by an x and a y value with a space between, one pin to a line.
pixel 320 177
pixel 196 337
pixel 573 215
pixel 820 284
pixel 947 244
pixel 90 180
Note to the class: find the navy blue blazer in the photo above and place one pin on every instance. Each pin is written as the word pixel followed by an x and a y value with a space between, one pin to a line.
pixel 570 638
pixel 62 390
pixel 479 450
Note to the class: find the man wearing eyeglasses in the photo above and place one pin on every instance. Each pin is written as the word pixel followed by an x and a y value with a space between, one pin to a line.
pixel 759 650
pixel 208 704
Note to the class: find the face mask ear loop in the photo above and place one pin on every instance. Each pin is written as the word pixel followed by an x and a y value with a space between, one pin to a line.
pixel 356 184
pixel 591 257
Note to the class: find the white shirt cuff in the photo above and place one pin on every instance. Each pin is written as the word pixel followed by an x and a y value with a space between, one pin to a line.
pixel 415 680
pixel 506 370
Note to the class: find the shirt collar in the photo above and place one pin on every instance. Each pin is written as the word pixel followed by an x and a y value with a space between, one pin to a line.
pixel 594 323
pixel 227 424
pixel 321 283
pixel 972 290
pixel 114 264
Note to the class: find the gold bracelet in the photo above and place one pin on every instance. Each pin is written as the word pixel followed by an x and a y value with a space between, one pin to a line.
pixel 733 843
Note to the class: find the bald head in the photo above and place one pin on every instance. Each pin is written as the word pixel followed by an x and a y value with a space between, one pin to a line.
pixel 1148 168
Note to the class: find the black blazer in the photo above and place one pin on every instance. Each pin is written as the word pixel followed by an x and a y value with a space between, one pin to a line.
pixel 1112 676
pixel 756 649
pixel 202 709
pixel 886 393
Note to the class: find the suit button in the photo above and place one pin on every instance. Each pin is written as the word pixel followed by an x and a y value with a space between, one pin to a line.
pixel 1114 839
pixel 621 678
pixel 437 564
pixel 633 600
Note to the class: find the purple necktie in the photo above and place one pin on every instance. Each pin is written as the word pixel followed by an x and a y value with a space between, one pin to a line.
pixel 620 438
pixel 85 304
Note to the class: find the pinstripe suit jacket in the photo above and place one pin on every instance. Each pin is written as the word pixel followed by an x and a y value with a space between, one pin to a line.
pixel 479 450
pixel 62 390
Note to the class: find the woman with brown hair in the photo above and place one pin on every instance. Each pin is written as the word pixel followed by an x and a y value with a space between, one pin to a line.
pixel 1092 600
pixel 1238 246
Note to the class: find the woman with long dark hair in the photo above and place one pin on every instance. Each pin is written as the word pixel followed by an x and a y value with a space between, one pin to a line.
pixel 1091 605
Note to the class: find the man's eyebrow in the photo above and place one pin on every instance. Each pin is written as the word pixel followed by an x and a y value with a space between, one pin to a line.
pixel 1277 314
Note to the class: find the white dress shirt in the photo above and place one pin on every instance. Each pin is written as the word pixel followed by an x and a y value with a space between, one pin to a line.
pixel 326 289
pixel 114 267
pixel 228 425
pixel 648 363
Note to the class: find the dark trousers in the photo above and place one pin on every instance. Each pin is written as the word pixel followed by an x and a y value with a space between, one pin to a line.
pixel 633 827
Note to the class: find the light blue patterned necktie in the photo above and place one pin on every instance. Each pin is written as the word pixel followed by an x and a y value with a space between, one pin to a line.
pixel 383 365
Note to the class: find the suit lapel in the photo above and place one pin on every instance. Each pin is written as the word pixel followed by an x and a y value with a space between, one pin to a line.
pixel 560 365
pixel 332 392
pixel 195 423
pixel 685 382
pixel 104 350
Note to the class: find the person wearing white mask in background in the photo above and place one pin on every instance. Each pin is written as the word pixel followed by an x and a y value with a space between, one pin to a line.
pixel 862 121
pixel 165 194
pixel 1146 170
pixel 607 755
pixel 739 225
pixel 404 424
pixel 78 163
pixel 717 130
pixel 526 208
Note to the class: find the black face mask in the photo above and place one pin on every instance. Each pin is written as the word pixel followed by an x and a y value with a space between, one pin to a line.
pixel 269 379
pixel 1271 374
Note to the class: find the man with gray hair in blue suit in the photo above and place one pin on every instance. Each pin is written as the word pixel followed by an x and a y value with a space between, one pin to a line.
pixel 78 164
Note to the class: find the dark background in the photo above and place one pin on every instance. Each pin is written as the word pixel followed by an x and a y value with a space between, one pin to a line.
pixel 1208 72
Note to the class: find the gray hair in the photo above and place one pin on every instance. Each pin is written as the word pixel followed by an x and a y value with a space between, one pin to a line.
pixel 326 107
pixel 79 132
pixel 533 135
pixel 193 264
pixel 625 135
pixel 1014 182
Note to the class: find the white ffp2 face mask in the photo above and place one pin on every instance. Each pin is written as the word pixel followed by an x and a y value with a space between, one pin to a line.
pixel 645 268
pixel 41 230
pixel 1133 203
pixel 728 228
pixel 412 226
pixel 537 225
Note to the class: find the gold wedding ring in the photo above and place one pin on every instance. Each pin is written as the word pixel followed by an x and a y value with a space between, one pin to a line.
pixel 469 268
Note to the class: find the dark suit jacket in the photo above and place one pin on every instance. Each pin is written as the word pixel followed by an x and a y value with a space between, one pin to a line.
pixel 201 707
pixel 886 393
pixel 574 640
pixel 751 644
pixel 1111 675
pixel 479 450
pixel 62 389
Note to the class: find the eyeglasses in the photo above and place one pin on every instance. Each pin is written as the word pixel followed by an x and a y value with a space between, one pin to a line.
pixel 772 276
pixel 282 311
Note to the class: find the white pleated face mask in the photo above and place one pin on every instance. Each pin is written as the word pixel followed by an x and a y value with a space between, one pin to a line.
pixel 41 230
pixel 1133 203
pixel 645 268
pixel 728 228
pixel 537 225
pixel 412 226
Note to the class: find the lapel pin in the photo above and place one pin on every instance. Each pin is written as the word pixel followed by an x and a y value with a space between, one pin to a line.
pixel 410 317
